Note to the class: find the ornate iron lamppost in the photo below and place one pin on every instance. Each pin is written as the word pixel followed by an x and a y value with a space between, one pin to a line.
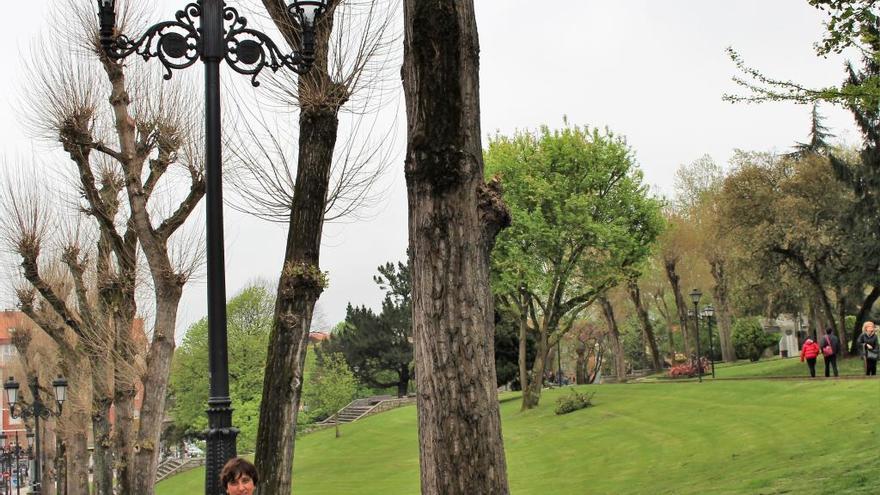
pixel 695 298
pixel 211 31
pixel 708 313
pixel 37 410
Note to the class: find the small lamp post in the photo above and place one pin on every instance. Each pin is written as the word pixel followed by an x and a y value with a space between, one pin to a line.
pixel 708 313
pixel 211 31
pixel 695 298
pixel 37 410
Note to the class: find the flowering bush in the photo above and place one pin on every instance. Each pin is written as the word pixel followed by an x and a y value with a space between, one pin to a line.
pixel 688 369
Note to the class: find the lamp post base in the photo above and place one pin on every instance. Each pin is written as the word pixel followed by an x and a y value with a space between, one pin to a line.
pixel 220 438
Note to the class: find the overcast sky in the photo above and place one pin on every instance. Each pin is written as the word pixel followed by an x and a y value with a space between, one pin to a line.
pixel 651 70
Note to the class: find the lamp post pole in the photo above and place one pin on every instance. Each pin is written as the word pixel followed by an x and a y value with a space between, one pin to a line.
pixel 221 34
pixel 709 312
pixel 695 297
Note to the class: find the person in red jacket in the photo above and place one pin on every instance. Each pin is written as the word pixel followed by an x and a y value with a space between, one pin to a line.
pixel 809 353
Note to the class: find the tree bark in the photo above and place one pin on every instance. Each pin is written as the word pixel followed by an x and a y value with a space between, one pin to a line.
pixel 103 454
pixel 532 392
pixel 722 310
pixel 680 305
pixel 614 333
pixel 636 296
pixel 301 282
pixel 580 367
pixel 299 287
pixel 840 329
pixel 454 217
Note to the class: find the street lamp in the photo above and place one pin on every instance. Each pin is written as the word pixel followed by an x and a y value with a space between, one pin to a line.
pixel 708 313
pixel 695 297
pixel 221 34
pixel 36 410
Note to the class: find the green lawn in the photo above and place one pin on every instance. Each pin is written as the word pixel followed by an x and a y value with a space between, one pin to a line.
pixel 785 367
pixel 726 437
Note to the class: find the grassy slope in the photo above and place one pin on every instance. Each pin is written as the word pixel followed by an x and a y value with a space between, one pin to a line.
pixel 785 367
pixel 751 437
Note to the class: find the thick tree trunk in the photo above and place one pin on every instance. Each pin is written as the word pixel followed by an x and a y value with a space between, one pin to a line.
pixel 299 287
pixel 532 393
pixel 453 220
pixel 403 382
pixel 636 296
pixel 124 393
pixel 722 310
pixel 862 316
pixel 76 456
pixel 580 367
pixel 102 441
pixel 522 356
pixel 840 329
pixel 616 345
pixel 680 305
pixel 155 380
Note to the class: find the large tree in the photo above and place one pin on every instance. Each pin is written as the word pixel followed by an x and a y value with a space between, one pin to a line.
pixel 347 62
pixel 378 347
pixel 454 217
pixel 850 24
pixel 582 220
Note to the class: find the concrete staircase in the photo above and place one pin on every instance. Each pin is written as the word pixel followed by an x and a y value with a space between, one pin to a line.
pixel 355 410
pixel 170 467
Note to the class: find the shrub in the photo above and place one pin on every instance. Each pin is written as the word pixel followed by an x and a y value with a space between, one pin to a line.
pixel 573 402
pixel 749 338
pixel 688 369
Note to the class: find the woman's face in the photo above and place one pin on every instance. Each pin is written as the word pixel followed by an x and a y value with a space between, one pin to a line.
pixel 869 329
pixel 244 485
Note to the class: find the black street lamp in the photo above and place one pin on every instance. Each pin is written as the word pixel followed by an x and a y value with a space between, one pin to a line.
pixel 708 313
pixel 37 410
pixel 10 461
pixel 695 297
pixel 221 34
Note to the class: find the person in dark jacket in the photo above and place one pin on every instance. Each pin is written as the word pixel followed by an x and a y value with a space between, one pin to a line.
pixel 830 344
pixel 809 353
pixel 870 347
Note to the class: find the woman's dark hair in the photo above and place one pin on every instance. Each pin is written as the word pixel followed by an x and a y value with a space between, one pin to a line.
pixel 235 469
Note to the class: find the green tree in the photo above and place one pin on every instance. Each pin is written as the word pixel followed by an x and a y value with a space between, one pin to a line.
pixel 249 317
pixel 750 339
pixel 850 24
pixel 378 347
pixel 331 387
pixel 581 218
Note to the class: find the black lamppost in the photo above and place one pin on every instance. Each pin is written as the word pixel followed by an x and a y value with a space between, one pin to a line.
pixel 9 453
pixel 36 410
pixel 5 464
pixel 221 34
pixel 695 297
pixel 708 313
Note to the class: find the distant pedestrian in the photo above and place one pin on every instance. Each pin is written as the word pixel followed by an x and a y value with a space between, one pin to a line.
pixel 869 347
pixel 239 477
pixel 809 353
pixel 830 349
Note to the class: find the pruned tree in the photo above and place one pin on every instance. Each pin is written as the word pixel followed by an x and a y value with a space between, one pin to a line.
pixel 134 147
pixel 353 41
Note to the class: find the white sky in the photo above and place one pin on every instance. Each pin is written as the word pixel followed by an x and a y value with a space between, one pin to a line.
pixel 653 71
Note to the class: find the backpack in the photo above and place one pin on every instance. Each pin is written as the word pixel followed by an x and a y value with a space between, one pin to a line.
pixel 827 351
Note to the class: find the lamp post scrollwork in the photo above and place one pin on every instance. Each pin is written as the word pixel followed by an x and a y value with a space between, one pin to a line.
pixel 37 410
